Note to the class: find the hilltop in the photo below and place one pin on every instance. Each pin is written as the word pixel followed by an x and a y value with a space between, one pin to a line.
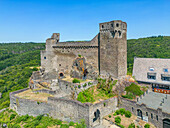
pixel 17 58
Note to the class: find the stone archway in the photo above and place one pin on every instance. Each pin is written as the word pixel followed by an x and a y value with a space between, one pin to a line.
pixel 139 113
pixel 166 123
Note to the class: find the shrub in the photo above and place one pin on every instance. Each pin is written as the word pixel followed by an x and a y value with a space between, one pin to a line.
pixel 76 80
pixel 114 114
pixel 79 86
pixel 132 125
pixel 109 116
pixel 79 55
pixel 128 114
pixel 85 85
pixel 104 104
pixel 122 111
pixel 71 123
pixel 12 116
pixel 35 69
pixel 89 83
pixel 120 125
pixel 16 126
pixel 58 122
pixel 117 112
pixel 64 126
pixel 147 126
pixel 118 119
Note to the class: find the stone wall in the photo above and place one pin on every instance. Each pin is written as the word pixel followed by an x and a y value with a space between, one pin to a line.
pixel 26 106
pixel 132 106
pixel 64 109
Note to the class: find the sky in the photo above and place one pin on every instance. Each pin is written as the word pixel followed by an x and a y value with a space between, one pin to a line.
pixel 36 20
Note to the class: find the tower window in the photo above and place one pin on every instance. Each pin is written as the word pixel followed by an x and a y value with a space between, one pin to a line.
pixel 102 26
pixel 44 57
pixel 156 117
pixel 111 25
pixel 59 64
pixel 117 25
pixel 151 115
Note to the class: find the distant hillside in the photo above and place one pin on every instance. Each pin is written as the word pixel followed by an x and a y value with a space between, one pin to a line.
pixel 150 47
pixel 17 58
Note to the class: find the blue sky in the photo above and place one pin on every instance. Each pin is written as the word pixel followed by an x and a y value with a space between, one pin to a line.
pixel 36 20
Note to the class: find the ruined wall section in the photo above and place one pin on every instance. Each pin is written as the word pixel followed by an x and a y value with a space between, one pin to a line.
pixel 26 106
pixel 66 52
pixel 101 109
pixel 132 106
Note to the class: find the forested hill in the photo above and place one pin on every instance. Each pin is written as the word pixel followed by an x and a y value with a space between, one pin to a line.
pixel 150 47
pixel 17 58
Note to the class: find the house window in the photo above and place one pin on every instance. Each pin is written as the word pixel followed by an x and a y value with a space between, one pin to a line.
pixel 44 57
pixel 151 69
pixel 151 116
pixel 165 77
pixel 146 113
pixel 165 70
pixel 156 117
pixel 151 76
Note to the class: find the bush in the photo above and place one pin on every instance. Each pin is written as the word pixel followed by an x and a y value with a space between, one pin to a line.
pixel 109 116
pixel 35 69
pixel 118 119
pixel 12 116
pixel 79 55
pixel 117 112
pixel 79 86
pixel 64 126
pixel 122 111
pixel 120 125
pixel 59 122
pixel 16 126
pixel 147 126
pixel 132 125
pixel 128 114
pixel 71 123
pixel 76 80
pixel 85 85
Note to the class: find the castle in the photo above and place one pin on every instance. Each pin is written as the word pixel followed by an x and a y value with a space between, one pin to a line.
pixel 104 55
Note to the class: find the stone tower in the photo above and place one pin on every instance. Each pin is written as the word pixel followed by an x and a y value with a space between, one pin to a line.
pixel 113 49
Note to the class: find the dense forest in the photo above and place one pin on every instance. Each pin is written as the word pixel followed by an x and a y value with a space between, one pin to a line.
pixel 17 58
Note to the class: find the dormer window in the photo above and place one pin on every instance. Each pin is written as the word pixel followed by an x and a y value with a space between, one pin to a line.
pixel 165 70
pixel 151 69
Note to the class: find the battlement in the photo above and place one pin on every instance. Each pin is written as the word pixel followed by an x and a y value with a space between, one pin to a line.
pixel 115 28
